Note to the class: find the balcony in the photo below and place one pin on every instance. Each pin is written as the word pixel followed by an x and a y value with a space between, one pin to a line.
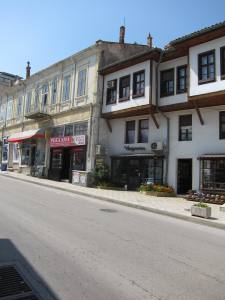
pixel 38 111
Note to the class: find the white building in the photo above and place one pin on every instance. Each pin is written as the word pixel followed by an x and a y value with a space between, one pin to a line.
pixel 163 114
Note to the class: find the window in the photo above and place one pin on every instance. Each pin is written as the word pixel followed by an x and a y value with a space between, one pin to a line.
pixel 181 79
pixel 15 152
pixel 206 67
pixel 124 92
pixel 222 62
pixel 57 131
pixel 68 130
pixel 9 114
pixel 19 106
pixel 54 91
pixel 213 174
pixel 36 99
pixel 25 154
pixel 167 83
pixel 111 91
pixel 130 132
pixel 44 95
pixel 2 110
pixel 139 84
pixel 79 159
pixel 222 125
pixel 81 87
pixel 66 89
pixel 143 131
pixel 28 102
pixel 185 128
pixel 57 156
pixel 80 128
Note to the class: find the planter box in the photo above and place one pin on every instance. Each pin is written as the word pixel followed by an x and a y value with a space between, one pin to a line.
pixel 203 212
pixel 159 194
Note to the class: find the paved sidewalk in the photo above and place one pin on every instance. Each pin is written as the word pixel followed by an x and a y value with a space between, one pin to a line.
pixel 174 206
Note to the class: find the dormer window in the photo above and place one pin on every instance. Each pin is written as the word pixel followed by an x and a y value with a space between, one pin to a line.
pixel 139 84
pixel 111 92
pixel 206 67
pixel 124 88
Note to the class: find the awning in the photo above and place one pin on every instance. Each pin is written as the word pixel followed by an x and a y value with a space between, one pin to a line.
pixel 211 156
pixel 24 135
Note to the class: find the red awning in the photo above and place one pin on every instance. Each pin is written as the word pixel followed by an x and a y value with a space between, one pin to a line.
pixel 20 136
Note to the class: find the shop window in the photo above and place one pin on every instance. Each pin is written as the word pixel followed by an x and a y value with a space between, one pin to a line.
pixel 143 131
pixel 68 130
pixel 138 84
pixel 130 132
pixel 167 83
pixel 181 79
pixel 206 67
pixel 111 92
pixel 213 174
pixel 185 128
pixel 15 152
pixel 80 128
pixel 54 92
pixel 222 125
pixel 66 88
pixel 57 131
pixel 25 154
pixel 57 159
pixel 124 90
pixel 81 87
pixel 79 160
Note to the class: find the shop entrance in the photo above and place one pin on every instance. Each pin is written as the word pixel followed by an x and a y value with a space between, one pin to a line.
pixel 184 176
pixel 66 164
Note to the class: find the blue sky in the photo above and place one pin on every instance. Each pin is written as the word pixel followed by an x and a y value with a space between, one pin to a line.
pixel 45 32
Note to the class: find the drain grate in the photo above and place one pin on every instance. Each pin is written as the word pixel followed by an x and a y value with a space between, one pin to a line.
pixel 13 285
pixel 109 210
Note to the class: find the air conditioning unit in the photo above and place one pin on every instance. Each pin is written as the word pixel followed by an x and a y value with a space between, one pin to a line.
pixel 99 150
pixel 111 84
pixel 157 146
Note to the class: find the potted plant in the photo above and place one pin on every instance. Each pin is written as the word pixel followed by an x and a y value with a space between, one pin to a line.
pixel 201 210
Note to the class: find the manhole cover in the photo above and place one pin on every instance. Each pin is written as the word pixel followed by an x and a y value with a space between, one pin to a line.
pixel 109 210
pixel 13 285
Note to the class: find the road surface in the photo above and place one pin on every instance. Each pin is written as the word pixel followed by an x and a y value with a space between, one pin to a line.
pixel 79 248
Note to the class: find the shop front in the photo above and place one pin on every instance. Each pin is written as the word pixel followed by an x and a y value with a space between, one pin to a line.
pixel 133 170
pixel 67 158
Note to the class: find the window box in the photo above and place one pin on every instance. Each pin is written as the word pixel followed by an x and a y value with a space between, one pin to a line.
pixel 203 212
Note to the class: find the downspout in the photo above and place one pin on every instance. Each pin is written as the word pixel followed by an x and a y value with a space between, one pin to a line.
pixel 165 116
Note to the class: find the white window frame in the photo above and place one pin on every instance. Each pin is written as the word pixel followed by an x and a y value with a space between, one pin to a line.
pixel 68 91
pixel 54 86
pixel 83 90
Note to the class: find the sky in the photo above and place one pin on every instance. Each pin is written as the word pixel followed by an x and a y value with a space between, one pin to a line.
pixel 46 31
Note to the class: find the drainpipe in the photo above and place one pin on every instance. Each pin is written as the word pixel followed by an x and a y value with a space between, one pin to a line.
pixel 164 116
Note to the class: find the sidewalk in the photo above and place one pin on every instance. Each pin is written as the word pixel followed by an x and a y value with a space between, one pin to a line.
pixel 175 206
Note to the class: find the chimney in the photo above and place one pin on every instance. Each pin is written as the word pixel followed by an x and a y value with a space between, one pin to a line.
pixel 149 40
pixel 122 34
pixel 28 70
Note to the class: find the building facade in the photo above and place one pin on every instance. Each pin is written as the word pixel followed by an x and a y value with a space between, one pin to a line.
pixel 163 114
pixel 49 121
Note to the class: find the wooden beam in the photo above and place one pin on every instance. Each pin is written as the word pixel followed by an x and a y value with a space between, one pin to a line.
pixel 155 121
pixel 199 116
pixel 108 125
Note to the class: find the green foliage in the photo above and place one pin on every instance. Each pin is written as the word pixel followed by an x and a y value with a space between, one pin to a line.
pixel 101 174
pixel 201 204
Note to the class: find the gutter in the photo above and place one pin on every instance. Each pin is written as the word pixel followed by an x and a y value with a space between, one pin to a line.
pixel 164 116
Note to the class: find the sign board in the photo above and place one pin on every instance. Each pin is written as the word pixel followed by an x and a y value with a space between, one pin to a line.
pixel 67 141
pixel 75 177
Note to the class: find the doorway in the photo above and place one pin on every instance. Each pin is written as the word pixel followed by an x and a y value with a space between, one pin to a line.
pixel 66 164
pixel 184 175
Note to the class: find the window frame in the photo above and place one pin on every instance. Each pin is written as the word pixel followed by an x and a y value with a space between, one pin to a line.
pixel 139 131
pixel 54 87
pixel 126 132
pixel 222 63
pixel 82 84
pixel 179 90
pixel 134 90
pixel 179 129
pixel 162 93
pixel 110 89
pixel 64 99
pixel 200 55
pixel 121 99
pixel 221 133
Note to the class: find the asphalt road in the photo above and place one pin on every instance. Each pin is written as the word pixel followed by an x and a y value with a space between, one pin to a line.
pixel 69 247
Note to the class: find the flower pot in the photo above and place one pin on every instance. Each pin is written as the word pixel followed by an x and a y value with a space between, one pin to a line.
pixel 203 212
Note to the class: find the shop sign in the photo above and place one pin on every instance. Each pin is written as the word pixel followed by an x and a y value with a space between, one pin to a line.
pixel 67 141
pixel 129 148
pixel 75 177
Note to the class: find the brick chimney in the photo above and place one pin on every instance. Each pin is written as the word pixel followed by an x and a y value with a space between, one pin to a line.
pixel 28 70
pixel 122 34
pixel 149 40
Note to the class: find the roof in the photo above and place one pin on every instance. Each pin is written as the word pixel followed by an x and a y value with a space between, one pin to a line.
pixel 198 33
pixel 9 75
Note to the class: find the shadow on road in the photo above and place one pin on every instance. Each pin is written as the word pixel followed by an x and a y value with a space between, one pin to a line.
pixel 9 254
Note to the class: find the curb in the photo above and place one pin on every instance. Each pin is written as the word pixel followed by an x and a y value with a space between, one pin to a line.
pixel 192 219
